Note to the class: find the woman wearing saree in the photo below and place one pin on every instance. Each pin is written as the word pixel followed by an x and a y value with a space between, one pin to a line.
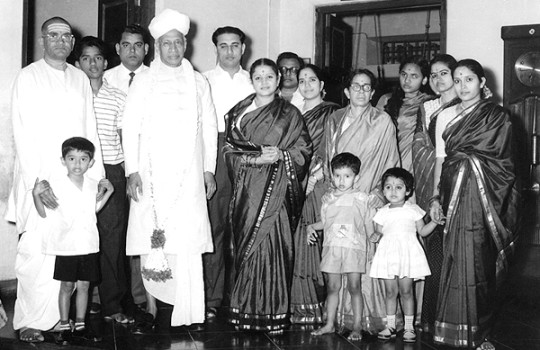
pixel 307 292
pixel 369 134
pixel 480 198
pixel 427 170
pixel 267 154
pixel 402 105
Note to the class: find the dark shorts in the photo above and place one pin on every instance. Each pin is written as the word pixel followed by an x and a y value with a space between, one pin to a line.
pixel 77 268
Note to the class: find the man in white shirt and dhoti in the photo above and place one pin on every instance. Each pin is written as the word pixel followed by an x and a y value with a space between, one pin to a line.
pixel 51 102
pixel 230 84
pixel 170 138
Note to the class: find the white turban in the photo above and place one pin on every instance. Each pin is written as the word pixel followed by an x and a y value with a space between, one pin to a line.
pixel 168 20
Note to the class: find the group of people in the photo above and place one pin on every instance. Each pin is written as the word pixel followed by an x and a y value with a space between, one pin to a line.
pixel 252 196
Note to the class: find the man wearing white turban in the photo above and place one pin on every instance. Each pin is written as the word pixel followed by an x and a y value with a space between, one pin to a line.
pixel 170 144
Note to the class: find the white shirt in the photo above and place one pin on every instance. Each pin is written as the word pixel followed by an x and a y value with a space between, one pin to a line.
pixel 297 99
pixel 227 91
pixel 72 227
pixel 119 76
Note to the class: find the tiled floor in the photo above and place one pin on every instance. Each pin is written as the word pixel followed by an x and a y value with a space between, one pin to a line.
pixel 518 325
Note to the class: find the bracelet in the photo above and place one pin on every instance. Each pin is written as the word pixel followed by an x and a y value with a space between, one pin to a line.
pixel 436 198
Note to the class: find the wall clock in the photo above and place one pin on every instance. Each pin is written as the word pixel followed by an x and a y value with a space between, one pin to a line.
pixel 527 68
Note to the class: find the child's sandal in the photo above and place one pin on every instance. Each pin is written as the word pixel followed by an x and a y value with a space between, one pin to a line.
pixel 387 334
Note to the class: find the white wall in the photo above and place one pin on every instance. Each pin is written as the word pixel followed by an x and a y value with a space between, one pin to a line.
pixel 251 16
pixel 474 31
pixel 10 61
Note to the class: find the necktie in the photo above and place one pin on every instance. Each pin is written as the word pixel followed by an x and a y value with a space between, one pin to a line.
pixel 131 74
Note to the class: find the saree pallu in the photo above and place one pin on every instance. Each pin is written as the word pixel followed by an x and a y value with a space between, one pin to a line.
pixel 423 155
pixel 264 211
pixel 372 138
pixel 481 202
pixel 406 126
pixel 308 290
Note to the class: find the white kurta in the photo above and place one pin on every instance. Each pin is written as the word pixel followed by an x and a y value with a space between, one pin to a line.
pixel 170 139
pixel 48 107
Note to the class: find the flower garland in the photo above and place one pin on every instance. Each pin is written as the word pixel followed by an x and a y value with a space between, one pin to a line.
pixel 156 267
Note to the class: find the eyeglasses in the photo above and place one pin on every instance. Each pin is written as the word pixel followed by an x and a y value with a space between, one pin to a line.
pixel 292 70
pixel 53 36
pixel 357 87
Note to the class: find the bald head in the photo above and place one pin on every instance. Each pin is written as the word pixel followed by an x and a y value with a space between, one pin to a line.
pixel 54 20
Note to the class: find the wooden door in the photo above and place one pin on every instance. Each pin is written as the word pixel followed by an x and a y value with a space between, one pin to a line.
pixel 338 44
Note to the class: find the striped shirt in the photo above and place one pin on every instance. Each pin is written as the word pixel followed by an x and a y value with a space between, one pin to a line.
pixel 109 107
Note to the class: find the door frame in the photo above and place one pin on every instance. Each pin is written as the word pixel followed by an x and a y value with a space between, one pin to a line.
pixel 323 12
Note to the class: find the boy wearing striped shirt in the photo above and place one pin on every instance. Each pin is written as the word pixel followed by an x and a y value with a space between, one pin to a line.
pixel 108 107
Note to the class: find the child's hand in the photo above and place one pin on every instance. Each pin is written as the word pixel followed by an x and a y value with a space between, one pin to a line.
pixel 441 218
pixel 311 235
pixel 104 186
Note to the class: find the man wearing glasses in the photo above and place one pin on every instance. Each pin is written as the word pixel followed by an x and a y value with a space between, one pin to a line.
pixel 52 101
pixel 289 65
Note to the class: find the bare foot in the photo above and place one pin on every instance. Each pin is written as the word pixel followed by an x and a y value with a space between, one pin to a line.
pixel 30 335
pixel 356 335
pixel 324 330
pixel 486 345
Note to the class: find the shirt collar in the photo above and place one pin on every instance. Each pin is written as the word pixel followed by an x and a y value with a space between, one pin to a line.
pixel 127 71
pixel 222 71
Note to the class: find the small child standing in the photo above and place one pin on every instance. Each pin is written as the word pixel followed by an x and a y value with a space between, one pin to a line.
pixel 346 223
pixel 399 258
pixel 71 230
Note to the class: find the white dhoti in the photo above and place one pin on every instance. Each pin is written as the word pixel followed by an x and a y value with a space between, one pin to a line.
pixel 188 301
pixel 37 292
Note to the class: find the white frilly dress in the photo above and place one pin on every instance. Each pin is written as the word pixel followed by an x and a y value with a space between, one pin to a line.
pixel 399 252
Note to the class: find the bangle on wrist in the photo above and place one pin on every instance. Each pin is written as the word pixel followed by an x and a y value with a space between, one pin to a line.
pixel 435 198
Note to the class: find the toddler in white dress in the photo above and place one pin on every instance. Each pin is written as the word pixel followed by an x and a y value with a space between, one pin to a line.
pixel 400 259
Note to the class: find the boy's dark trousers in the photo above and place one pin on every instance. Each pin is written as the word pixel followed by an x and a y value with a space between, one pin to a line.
pixel 112 222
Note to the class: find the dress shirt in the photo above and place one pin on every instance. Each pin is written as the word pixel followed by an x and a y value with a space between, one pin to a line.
pixel 119 76
pixel 227 91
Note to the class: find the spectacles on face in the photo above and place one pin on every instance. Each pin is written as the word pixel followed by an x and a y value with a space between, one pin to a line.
pixel 357 87
pixel 292 70
pixel 53 36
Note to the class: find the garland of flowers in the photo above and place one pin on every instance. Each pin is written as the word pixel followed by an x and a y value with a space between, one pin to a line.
pixel 156 267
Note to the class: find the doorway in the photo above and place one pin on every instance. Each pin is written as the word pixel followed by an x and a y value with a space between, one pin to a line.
pixel 376 35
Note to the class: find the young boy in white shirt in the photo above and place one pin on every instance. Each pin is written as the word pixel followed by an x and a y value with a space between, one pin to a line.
pixel 70 230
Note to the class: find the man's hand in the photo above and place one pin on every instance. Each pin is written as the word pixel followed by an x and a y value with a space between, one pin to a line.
pixel 134 186
pixel 46 194
pixel 210 184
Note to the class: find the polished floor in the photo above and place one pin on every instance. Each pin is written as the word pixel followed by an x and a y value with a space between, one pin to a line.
pixel 517 327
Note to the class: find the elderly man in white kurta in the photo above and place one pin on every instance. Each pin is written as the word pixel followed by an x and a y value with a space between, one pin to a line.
pixel 170 138
pixel 51 102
